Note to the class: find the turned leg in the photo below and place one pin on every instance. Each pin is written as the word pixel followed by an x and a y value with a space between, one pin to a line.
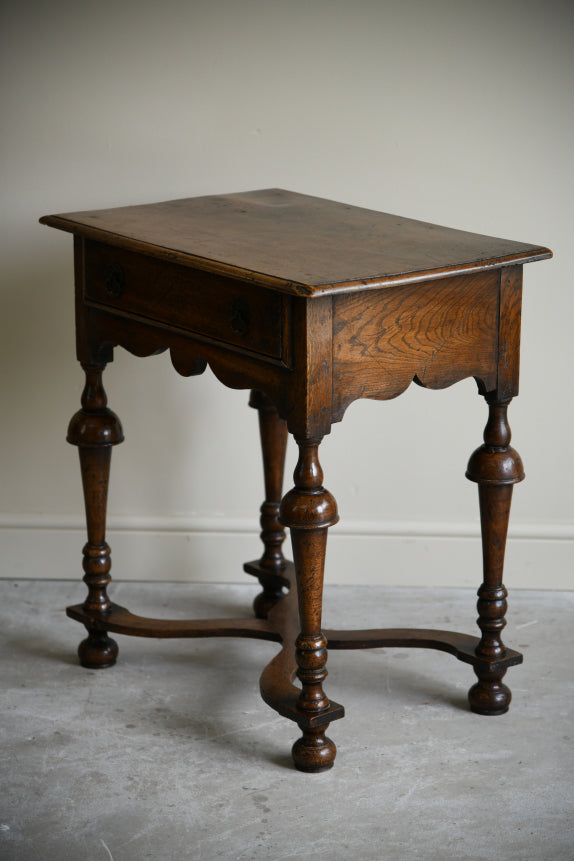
pixel 496 467
pixel 95 429
pixel 268 569
pixel 308 510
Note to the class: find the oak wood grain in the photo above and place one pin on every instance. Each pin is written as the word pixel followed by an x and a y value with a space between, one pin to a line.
pixel 436 333
pixel 509 331
pixel 311 304
pixel 295 243
pixel 216 307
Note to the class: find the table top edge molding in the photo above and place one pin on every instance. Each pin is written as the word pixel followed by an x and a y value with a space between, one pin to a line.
pixel 295 243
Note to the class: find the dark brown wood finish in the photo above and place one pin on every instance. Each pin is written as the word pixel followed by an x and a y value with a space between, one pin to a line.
pixel 269 569
pixel 295 243
pixel 308 510
pixel 496 467
pixel 208 305
pixel 433 333
pixel 311 304
pixel 95 429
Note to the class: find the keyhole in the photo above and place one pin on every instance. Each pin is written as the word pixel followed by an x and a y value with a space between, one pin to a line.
pixel 240 317
pixel 115 280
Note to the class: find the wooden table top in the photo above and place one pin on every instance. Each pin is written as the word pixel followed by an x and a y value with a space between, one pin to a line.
pixel 295 243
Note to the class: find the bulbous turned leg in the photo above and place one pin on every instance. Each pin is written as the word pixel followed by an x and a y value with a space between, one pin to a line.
pixel 308 510
pixel 269 569
pixel 496 467
pixel 95 429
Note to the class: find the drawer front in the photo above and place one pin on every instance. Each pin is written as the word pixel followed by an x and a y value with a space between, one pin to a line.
pixel 213 306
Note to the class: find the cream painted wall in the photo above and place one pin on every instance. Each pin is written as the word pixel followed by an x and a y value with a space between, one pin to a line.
pixel 453 112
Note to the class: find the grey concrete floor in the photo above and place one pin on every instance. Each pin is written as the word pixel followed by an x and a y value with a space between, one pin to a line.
pixel 173 755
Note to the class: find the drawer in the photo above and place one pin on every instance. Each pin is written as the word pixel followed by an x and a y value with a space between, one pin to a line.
pixel 213 306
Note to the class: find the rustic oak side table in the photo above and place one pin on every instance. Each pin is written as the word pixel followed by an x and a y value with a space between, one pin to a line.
pixel 311 304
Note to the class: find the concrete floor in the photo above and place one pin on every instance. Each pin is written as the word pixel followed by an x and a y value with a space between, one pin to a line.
pixel 172 755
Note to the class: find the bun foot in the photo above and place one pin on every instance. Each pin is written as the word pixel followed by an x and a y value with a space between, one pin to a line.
pixel 489 697
pixel 314 752
pixel 97 651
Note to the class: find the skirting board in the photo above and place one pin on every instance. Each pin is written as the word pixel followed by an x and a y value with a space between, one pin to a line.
pixel 213 550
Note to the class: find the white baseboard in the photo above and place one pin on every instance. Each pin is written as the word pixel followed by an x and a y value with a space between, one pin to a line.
pixel 213 550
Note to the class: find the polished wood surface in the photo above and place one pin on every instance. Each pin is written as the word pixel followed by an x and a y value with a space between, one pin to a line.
pixel 434 333
pixel 208 305
pixel 95 429
pixel 308 510
pixel 310 304
pixel 496 467
pixel 294 242
pixel 270 568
